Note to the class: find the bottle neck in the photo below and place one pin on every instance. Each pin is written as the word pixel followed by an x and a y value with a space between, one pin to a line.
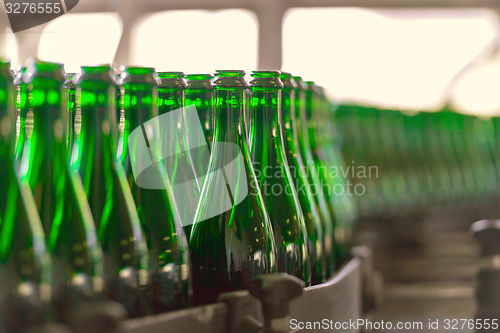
pixel 202 99
pixel 46 118
pixel 288 116
pixel 95 129
pixel 311 106
pixel 139 104
pixel 170 99
pixel 301 120
pixel 229 109
pixel 265 129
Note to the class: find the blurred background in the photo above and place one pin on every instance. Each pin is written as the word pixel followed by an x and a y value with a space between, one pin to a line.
pixel 416 91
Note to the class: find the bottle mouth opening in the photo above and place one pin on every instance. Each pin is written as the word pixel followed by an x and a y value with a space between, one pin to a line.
pixel 229 73
pixel 43 67
pixel 139 70
pixel 170 75
pixel 4 65
pixel 96 69
pixel 199 77
pixel 37 68
pixel 265 74
pixel 288 81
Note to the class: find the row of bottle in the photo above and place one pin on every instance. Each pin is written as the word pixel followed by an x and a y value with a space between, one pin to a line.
pixel 409 161
pixel 103 177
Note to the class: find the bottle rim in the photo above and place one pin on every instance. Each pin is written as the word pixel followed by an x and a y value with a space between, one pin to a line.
pixel 170 75
pixel 265 80
pixel 300 82
pixel 104 68
pixel 288 80
pixel 137 74
pixel 104 73
pixel 174 80
pixel 198 77
pixel 229 79
pixel 229 73
pixel 35 67
pixel 138 70
pixel 265 74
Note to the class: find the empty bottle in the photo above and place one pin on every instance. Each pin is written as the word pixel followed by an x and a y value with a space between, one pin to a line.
pixel 327 220
pixel 25 265
pixel 273 175
pixel 152 193
pixel 177 142
pixel 59 194
pixel 119 231
pixel 299 172
pixel 231 240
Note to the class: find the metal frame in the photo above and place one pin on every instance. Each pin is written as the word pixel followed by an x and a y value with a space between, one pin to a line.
pixel 340 300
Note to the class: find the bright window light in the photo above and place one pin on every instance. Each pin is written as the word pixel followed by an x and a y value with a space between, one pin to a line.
pixel 477 91
pixel 393 58
pixel 11 48
pixel 197 41
pixel 81 39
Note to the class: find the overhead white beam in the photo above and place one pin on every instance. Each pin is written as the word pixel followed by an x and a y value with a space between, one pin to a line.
pixel 161 5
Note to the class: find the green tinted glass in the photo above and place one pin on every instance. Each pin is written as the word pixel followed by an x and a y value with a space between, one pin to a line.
pixel 323 205
pixel 232 239
pixel 118 228
pixel 59 194
pixel 160 221
pixel 299 173
pixel 273 175
pixel 25 266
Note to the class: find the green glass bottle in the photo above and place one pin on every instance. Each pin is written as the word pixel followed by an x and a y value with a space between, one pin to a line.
pixel 71 110
pixel 177 143
pixel 231 240
pixel 152 193
pixel 341 191
pixel 298 172
pixel 58 192
pixel 273 175
pixel 25 265
pixel 327 220
pixel 119 231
